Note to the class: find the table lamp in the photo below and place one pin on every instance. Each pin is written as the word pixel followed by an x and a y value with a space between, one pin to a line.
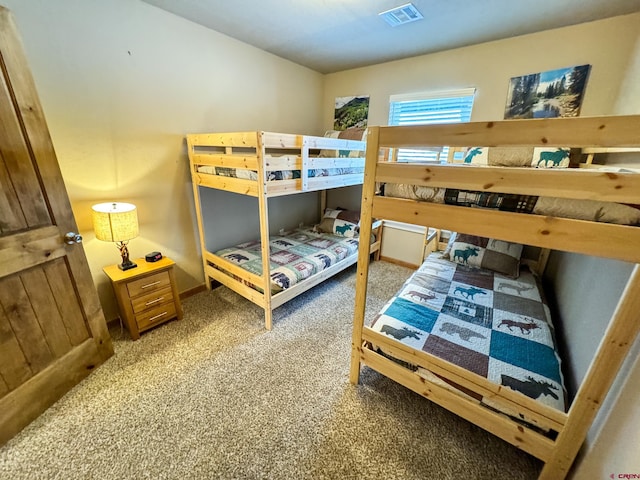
pixel 116 222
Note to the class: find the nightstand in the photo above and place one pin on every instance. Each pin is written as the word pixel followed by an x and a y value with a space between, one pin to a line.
pixel 147 295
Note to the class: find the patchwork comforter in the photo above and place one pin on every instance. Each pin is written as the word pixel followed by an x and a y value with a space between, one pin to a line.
pixel 487 323
pixel 294 255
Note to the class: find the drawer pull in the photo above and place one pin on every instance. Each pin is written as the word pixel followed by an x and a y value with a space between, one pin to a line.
pixel 159 299
pixel 157 316
pixel 150 284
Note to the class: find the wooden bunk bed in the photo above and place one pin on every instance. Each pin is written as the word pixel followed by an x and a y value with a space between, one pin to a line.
pixel 553 436
pixel 266 165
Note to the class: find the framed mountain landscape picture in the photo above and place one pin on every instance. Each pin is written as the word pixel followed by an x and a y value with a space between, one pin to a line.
pixel 351 112
pixel 554 93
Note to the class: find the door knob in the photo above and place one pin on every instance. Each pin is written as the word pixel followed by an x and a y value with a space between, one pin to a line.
pixel 72 237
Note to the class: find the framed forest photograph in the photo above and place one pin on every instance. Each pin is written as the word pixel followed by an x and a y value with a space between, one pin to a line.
pixel 554 93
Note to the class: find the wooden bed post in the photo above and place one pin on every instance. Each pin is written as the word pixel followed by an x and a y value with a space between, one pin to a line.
pixel 323 202
pixel 196 198
pixel 263 203
pixel 366 216
pixel 615 345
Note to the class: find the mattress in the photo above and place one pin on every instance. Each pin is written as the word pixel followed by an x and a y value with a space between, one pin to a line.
pixel 294 255
pixel 495 326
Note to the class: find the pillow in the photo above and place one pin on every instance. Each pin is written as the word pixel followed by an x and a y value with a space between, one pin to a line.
pixel 479 252
pixel 358 134
pixel 415 192
pixel 354 133
pixel 331 133
pixel 593 210
pixel 329 153
pixel 340 222
pixel 510 156
pixel 550 157
pixel 476 155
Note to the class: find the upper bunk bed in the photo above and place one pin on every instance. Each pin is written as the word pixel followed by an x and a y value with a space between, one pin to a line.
pixel 272 164
pixel 501 405
pixel 273 269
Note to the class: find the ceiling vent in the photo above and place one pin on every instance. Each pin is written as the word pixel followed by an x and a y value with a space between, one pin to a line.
pixel 399 15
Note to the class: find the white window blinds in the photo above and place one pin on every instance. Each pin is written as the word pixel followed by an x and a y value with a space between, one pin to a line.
pixel 424 108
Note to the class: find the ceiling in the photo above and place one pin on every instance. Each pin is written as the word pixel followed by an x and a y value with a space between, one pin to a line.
pixel 334 35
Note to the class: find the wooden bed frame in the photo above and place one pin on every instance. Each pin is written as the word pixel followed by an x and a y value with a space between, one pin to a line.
pixel 266 152
pixel 590 238
pixel 591 152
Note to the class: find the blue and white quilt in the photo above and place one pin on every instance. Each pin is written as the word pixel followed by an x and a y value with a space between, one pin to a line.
pixel 495 326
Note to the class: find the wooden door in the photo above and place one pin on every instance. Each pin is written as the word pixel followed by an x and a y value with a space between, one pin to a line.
pixel 52 329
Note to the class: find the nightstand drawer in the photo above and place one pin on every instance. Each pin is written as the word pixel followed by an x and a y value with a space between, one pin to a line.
pixel 149 284
pixel 156 315
pixel 152 299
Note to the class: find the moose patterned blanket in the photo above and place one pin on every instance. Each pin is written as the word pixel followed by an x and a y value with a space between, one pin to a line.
pixel 294 255
pixel 493 325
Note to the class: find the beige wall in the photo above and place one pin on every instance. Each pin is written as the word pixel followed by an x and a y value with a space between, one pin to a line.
pixel 628 101
pixel 121 82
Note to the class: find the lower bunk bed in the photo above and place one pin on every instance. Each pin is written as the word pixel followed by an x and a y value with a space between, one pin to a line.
pixel 495 326
pixel 298 260
pixel 471 330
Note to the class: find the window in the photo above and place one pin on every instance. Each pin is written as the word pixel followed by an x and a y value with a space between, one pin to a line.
pixel 452 106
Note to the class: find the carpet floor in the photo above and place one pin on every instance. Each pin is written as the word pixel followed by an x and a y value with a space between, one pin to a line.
pixel 216 396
